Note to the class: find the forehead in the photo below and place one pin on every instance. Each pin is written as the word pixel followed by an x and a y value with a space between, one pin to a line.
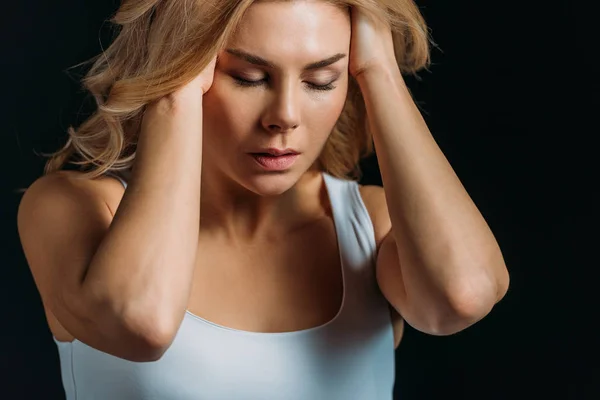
pixel 276 29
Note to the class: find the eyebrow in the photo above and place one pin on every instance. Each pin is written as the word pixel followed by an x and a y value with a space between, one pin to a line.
pixel 252 59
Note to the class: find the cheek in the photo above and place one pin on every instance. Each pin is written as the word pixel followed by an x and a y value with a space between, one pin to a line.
pixel 324 114
pixel 227 115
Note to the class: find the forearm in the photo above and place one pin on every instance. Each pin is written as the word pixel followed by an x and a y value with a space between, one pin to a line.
pixel 449 258
pixel 143 268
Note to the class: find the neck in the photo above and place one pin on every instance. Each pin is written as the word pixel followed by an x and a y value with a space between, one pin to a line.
pixel 232 211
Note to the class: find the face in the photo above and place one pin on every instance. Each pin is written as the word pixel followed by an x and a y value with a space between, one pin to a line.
pixel 279 84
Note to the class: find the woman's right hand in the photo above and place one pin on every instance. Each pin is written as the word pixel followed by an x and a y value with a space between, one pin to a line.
pixel 187 98
pixel 197 87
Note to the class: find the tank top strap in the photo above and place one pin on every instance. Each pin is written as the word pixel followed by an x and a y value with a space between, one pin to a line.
pixel 356 236
pixel 122 176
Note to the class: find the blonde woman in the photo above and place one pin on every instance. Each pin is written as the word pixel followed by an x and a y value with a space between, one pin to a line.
pixel 214 242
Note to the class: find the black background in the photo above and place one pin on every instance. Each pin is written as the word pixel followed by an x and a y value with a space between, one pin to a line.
pixel 506 100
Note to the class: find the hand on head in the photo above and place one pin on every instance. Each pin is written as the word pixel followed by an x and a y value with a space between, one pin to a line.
pixel 198 86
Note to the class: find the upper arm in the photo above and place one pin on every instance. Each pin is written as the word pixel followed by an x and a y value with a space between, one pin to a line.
pixel 61 222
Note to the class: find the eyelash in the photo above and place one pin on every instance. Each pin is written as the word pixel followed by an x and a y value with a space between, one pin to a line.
pixel 246 83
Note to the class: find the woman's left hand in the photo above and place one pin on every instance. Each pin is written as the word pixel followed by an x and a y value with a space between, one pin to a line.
pixel 371 44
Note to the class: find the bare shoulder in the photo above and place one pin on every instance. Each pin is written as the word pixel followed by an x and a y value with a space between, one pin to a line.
pixel 375 202
pixel 60 216
pixel 58 205
pixel 61 199
pixel 64 189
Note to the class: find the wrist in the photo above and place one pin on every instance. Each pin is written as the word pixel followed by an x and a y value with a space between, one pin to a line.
pixel 177 104
pixel 388 74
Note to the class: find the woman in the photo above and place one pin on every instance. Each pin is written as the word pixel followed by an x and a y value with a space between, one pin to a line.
pixel 233 258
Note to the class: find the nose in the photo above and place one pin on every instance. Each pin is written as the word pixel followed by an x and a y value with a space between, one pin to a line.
pixel 283 113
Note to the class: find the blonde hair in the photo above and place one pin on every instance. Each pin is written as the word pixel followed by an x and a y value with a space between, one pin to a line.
pixel 161 45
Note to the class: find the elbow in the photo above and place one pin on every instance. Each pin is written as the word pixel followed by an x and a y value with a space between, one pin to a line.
pixel 462 310
pixel 150 346
pixel 139 350
pixel 132 341
pixel 473 303
pixel 447 322
pixel 503 284
pixel 459 316
pixel 124 331
pixel 151 337
pixel 125 339
pixel 148 354
pixel 134 335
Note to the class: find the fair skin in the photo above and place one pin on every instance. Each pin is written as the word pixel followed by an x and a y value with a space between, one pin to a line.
pixel 276 106
pixel 282 214
pixel 439 263
pixel 267 239
pixel 443 282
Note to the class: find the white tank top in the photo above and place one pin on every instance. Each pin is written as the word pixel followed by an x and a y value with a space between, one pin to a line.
pixel 349 357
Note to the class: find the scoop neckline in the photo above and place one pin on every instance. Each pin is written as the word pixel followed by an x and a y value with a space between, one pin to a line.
pixel 327 180
pixel 336 223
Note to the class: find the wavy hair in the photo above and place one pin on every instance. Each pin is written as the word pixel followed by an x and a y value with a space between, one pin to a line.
pixel 161 45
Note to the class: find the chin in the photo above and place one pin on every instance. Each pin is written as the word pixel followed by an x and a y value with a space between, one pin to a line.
pixel 272 184
pixel 266 183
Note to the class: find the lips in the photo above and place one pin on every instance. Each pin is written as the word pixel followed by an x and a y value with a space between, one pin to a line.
pixel 275 152
pixel 273 163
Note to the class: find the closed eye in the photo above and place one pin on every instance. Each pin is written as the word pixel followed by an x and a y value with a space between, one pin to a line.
pixel 248 83
pixel 328 86
pixel 255 83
